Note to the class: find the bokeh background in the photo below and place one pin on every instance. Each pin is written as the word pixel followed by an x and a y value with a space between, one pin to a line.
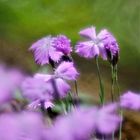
pixel 24 21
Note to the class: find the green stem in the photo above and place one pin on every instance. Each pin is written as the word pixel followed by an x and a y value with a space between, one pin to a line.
pixel 112 89
pixel 76 87
pixel 64 107
pixel 121 111
pixel 101 93
pixel 120 128
pixel 112 83
pixel 116 80
pixel 113 136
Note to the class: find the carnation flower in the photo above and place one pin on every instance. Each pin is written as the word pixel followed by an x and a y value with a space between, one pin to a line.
pixel 112 48
pixel 83 123
pixel 130 100
pixel 37 90
pixel 45 87
pixel 107 119
pixel 23 126
pixel 10 80
pixel 56 83
pixel 62 44
pixel 56 87
pixel 44 51
pixel 77 125
pixel 102 44
pixel 66 70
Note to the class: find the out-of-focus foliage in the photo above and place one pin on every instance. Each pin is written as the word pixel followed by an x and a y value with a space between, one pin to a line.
pixel 30 19
pixel 24 21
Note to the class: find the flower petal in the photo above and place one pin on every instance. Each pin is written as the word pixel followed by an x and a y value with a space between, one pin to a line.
pixel 41 50
pixel 103 51
pixel 103 34
pixel 63 87
pixel 89 33
pixel 62 44
pixel 130 100
pixel 87 49
pixel 66 70
pixel 54 54
pixel 45 77
pixel 48 104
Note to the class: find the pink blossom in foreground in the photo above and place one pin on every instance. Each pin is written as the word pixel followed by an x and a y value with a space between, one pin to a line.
pixel 10 80
pixel 82 123
pixel 56 87
pixel 130 100
pixel 78 125
pixel 66 70
pixel 57 82
pixel 106 119
pixel 22 126
pixel 37 90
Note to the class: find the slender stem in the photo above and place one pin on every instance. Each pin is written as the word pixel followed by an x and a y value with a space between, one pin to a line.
pixel 76 87
pixel 113 136
pixel 120 128
pixel 43 110
pixel 103 138
pixel 75 96
pixel 112 89
pixel 116 80
pixel 64 107
pixel 101 94
pixel 121 111
pixel 112 83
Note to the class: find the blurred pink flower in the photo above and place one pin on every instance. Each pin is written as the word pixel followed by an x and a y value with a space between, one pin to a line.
pixel 82 123
pixel 57 82
pixel 36 90
pixel 66 70
pixel 106 119
pixel 130 100
pixel 22 126
pixel 77 125
pixel 10 80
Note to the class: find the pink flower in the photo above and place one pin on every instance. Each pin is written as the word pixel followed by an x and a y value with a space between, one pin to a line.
pixel 66 70
pixel 10 80
pixel 106 119
pixel 44 51
pixel 102 44
pixel 22 126
pixel 93 46
pixel 37 90
pixel 82 123
pixel 130 100
pixel 57 83
pixel 62 44
pixel 77 125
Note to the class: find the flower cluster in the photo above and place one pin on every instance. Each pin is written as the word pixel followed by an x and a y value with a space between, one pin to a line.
pixel 24 126
pixel 86 121
pixel 51 49
pixel 42 106
pixel 46 87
